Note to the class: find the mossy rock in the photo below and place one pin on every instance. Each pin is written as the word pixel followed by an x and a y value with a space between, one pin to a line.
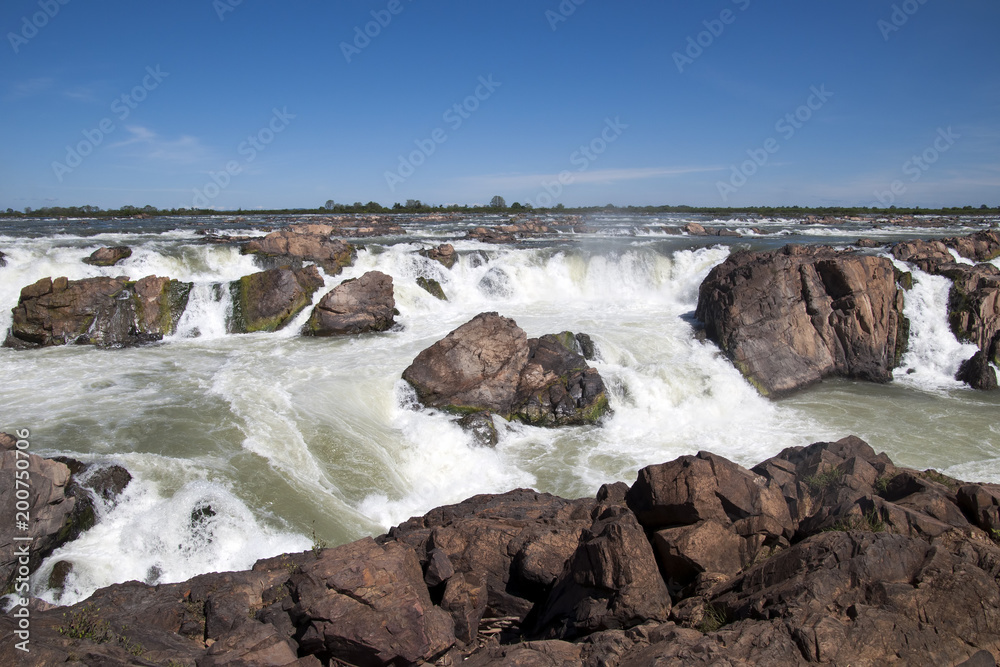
pixel 904 279
pixel 432 287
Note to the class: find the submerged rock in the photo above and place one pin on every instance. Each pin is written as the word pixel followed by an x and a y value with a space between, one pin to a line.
pixel 432 287
pixel 109 312
pixel 489 365
pixel 356 306
pixel 303 243
pixel 108 256
pixel 789 318
pixel 267 301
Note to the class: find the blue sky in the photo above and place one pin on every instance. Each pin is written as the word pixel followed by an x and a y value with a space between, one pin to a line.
pixel 249 104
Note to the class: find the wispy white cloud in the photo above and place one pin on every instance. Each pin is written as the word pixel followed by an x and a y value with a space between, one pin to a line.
pixel 601 176
pixel 149 145
pixel 30 88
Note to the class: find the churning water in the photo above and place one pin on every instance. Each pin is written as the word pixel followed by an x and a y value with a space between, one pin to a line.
pixel 246 446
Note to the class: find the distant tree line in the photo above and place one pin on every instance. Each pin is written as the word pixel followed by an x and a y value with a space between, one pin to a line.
pixel 499 205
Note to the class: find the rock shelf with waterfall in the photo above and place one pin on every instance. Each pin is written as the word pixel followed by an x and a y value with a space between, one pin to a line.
pixel 245 438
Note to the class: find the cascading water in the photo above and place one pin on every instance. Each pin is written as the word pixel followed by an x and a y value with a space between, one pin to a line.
pixel 285 436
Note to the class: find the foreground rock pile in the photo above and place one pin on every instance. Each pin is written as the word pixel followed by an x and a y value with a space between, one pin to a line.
pixel 823 554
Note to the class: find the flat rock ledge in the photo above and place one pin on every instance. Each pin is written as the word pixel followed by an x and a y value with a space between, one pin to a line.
pixel 822 554
pixel 488 365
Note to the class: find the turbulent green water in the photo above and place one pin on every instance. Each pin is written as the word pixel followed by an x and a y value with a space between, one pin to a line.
pixel 290 439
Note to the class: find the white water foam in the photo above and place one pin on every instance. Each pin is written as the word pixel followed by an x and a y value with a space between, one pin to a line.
pixel 155 536
pixel 934 354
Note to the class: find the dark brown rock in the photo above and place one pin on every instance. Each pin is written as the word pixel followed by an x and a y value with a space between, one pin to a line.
pixel 304 243
pixel 612 581
pixel 926 255
pixel 489 365
pixel 110 312
pixel 476 367
pixel 267 301
pixel 846 597
pixel 465 598
pixel 108 256
pixel 981 503
pixel 356 306
pixel 444 253
pixel 978 373
pixel 981 246
pixel 57 510
pixel 791 317
pixel 867 243
pixel 518 542
pixel 974 303
pixel 367 604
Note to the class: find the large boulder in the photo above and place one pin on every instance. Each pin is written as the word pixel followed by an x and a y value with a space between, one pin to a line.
pixel 612 581
pixel 303 243
pixel 355 306
pixel 109 312
pixel 267 301
pixel 978 373
pixel 367 604
pixel 41 508
pixel 108 256
pixel 518 542
pixel 789 318
pixel 974 303
pixel 489 365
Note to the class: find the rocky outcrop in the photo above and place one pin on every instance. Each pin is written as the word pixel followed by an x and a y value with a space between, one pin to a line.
pixel 367 603
pixel 108 256
pixel 109 312
pixel 444 253
pixel 41 506
pixel 977 373
pixel 791 317
pixel 3 260
pixel 509 233
pixel 489 365
pixel 303 243
pixel 867 564
pixel 355 306
pixel 974 300
pixel 267 301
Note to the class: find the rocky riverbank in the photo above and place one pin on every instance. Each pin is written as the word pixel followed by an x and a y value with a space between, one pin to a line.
pixel 827 553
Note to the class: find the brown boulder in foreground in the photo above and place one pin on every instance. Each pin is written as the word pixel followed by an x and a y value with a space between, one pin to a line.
pixel 789 318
